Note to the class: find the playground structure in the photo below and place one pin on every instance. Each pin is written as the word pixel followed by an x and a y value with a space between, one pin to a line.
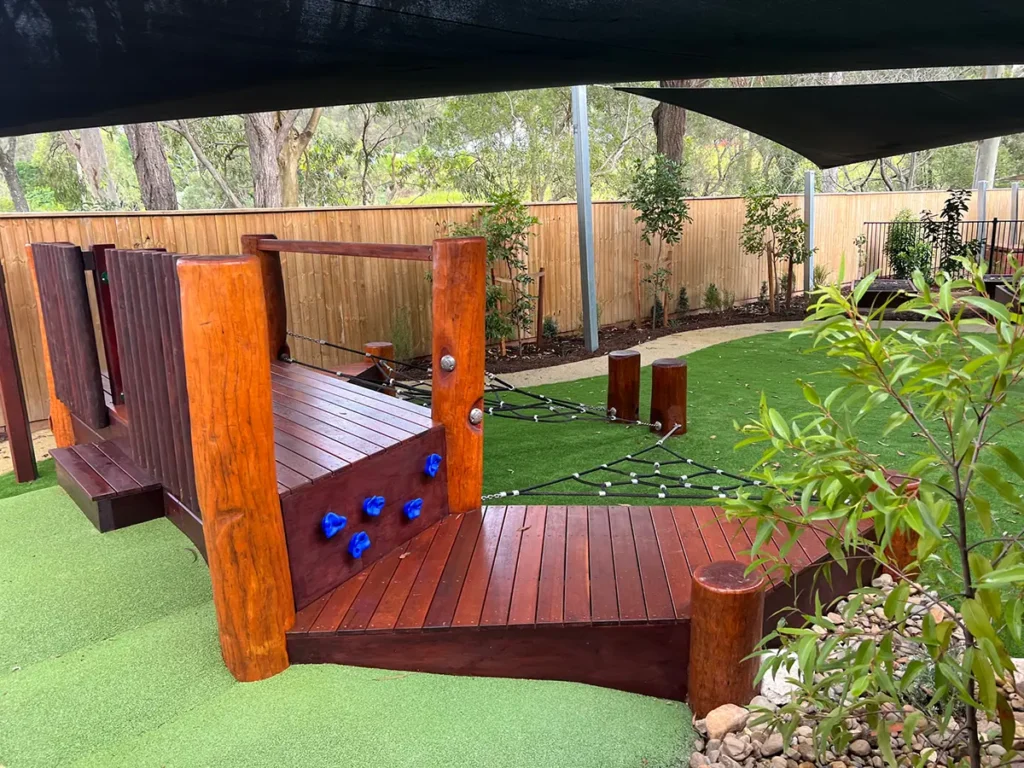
pixel 344 525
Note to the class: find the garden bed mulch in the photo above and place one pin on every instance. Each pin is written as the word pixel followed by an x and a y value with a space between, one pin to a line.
pixel 569 349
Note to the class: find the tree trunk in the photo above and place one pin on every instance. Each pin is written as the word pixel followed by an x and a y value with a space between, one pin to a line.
pixel 789 284
pixel 771 282
pixel 295 143
pixel 88 150
pixel 670 121
pixel 988 150
pixel 150 160
pixel 261 135
pixel 10 172
pixel 182 127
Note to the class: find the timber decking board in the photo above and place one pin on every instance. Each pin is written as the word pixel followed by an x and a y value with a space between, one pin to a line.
pixel 322 425
pixel 533 567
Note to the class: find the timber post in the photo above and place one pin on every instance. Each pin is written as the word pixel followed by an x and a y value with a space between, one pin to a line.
pixel 624 385
pixel 224 330
pixel 727 607
pixel 459 266
pixel 19 431
pixel 668 396
pixel 376 351
pixel 60 415
pixel 273 293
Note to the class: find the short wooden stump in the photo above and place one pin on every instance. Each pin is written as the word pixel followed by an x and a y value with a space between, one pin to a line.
pixel 624 385
pixel 668 396
pixel 726 624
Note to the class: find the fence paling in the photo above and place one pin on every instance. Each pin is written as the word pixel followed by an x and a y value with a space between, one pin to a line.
pixel 353 300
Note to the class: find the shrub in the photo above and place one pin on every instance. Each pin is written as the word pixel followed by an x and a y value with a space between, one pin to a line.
pixel 822 274
pixel 550 329
pixel 903 234
pixel 657 313
pixel 712 299
pixel 956 389
pixel 683 302
pixel 728 300
pixel 917 257
pixel 401 334
pixel 762 297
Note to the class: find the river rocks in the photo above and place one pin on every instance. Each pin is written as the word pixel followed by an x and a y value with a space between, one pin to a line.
pixel 860 748
pixel 727 718
pixel 738 737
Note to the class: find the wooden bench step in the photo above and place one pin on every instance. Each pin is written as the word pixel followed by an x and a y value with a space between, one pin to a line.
pixel 109 488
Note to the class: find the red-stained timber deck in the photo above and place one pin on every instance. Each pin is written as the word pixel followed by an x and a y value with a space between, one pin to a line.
pixel 597 595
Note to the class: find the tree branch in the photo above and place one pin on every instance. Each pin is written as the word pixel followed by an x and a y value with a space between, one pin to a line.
pixel 181 127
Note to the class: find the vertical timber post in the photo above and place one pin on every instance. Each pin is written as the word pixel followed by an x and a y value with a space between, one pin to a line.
pixel 224 330
pixel 459 266
pixel 668 396
pixel 60 415
pixel 809 200
pixel 375 351
pixel 624 385
pixel 19 432
pixel 273 292
pixel 727 609
pixel 585 215
pixel 540 309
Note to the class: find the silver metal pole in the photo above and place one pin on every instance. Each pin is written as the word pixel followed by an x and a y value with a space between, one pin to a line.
pixel 585 216
pixel 1014 211
pixel 982 218
pixel 809 221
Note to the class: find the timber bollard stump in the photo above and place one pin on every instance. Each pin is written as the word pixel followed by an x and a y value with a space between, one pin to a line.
pixel 624 385
pixel 375 350
pixel 726 624
pixel 668 396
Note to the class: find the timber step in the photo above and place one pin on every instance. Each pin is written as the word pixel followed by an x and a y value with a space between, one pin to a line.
pixel 111 489
pixel 597 595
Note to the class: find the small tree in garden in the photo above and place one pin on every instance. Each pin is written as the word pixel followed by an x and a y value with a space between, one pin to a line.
pixel 775 230
pixel 958 388
pixel 943 230
pixel 505 224
pixel 658 192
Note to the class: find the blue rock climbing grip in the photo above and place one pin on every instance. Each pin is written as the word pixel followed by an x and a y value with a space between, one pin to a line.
pixel 358 544
pixel 433 465
pixel 332 523
pixel 373 506
pixel 413 508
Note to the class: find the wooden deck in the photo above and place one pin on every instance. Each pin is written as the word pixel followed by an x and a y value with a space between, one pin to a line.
pixel 588 594
pixel 323 424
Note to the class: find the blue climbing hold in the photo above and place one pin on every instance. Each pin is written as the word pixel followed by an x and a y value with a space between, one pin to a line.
pixel 358 544
pixel 433 465
pixel 332 523
pixel 373 506
pixel 413 508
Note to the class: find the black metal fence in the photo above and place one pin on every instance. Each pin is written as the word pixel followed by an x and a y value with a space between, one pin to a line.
pixel 897 248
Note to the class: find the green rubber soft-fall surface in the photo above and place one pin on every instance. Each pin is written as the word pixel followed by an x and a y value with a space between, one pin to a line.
pixel 109 657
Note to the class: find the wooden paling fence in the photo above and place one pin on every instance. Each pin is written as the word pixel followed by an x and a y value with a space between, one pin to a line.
pixel 350 301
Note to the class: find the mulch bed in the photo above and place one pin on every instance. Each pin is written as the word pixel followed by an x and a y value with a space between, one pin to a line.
pixel 569 349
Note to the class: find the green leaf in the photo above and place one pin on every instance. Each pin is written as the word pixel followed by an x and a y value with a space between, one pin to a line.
pixel 977 619
pixel 1011 459
pixel 1004 576
pixel 994 308
pixel 779 423
pixel 986 680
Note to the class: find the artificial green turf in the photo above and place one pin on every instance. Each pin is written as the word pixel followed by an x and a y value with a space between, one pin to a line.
pixel 109 657
pixel 47 477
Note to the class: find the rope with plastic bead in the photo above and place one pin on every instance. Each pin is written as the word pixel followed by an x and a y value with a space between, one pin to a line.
pixel 660 481
pixel 411 381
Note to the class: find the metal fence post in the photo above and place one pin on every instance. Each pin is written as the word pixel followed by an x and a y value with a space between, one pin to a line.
pixel 1014 211
pixel 809 221
pixel 585 215
pixel 982 215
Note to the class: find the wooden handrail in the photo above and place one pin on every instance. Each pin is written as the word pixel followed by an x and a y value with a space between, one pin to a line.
pixel 371 250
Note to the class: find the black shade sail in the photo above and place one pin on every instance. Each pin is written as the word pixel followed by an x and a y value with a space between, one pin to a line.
pixel 74 63
pixel 840 124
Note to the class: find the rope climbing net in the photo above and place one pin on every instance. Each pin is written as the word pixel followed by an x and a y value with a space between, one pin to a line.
pixel 411 381
pixel 655 472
